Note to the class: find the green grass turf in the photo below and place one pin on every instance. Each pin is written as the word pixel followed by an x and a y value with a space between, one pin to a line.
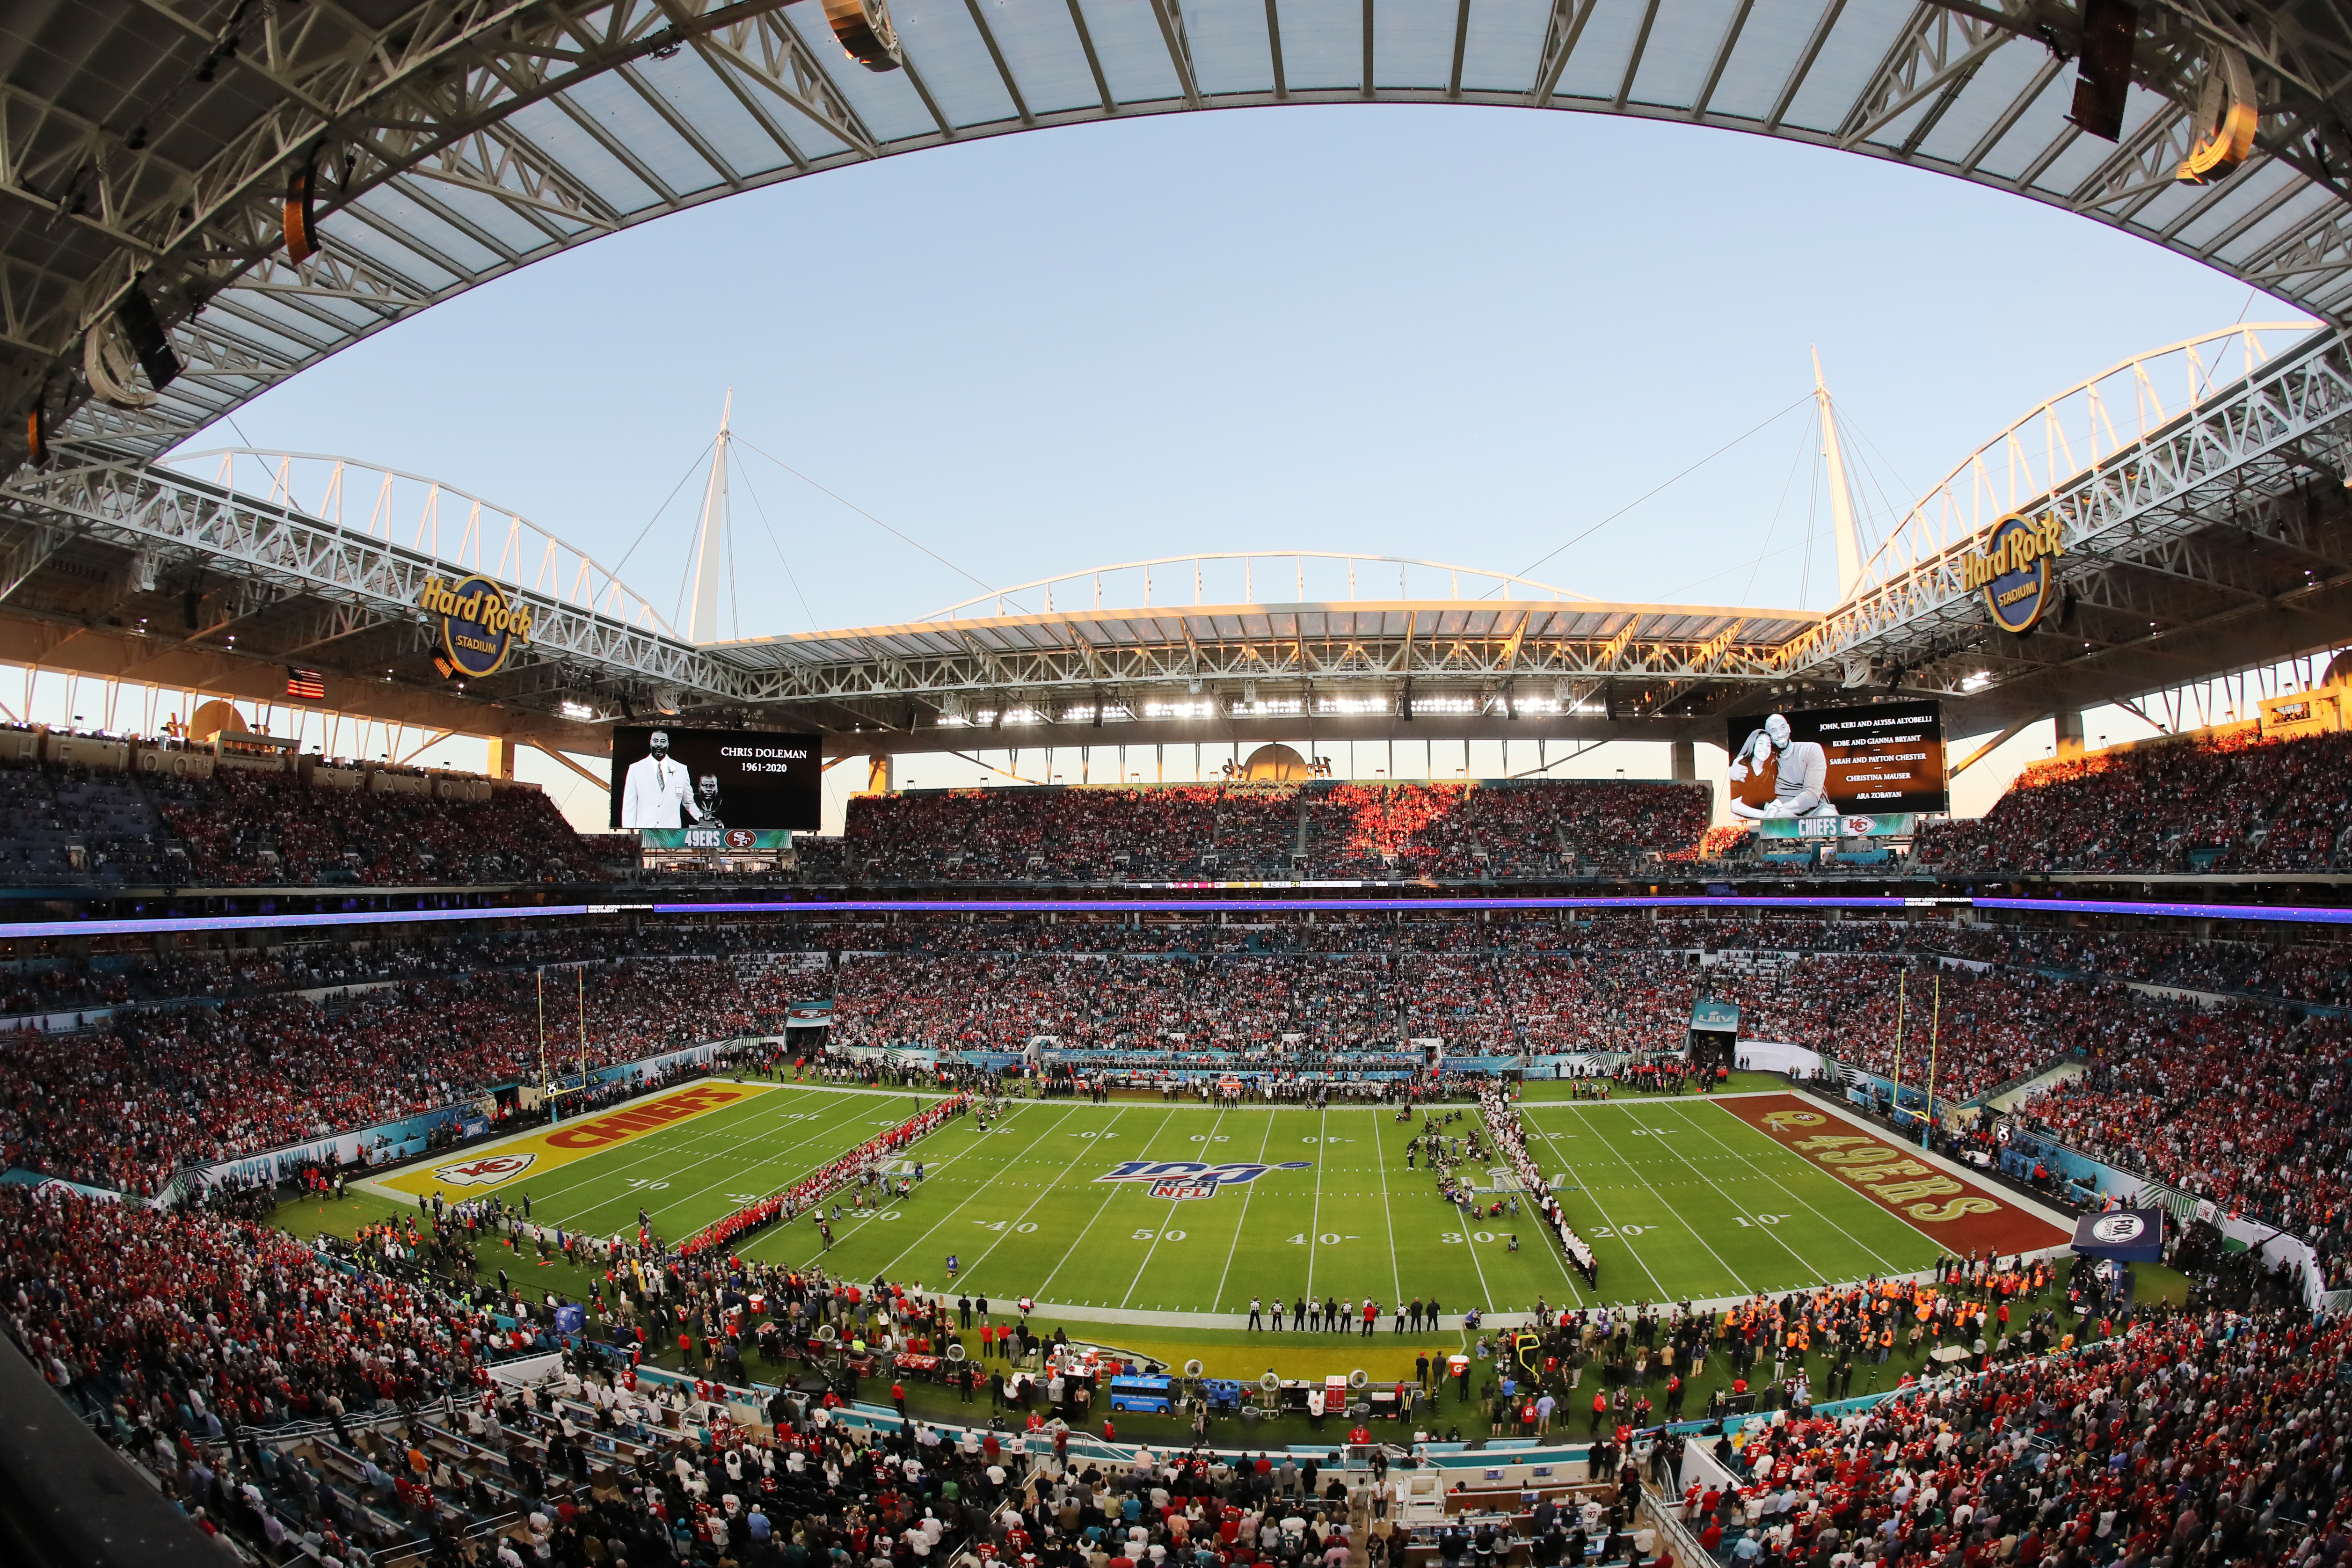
pixel 686 1176
pixel 1680 1172
pixel 1677 1198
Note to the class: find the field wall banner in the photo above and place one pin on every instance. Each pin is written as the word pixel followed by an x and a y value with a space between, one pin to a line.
pixel 51 1186
pixel 378 1146
pixel 2018 1155
pixel 1777 1056
pixel 990 1062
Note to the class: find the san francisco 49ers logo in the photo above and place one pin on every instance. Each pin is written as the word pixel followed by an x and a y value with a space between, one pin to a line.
pixel 741 838
pixel 487 1172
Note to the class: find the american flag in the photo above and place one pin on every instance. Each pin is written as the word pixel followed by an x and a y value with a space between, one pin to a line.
pixel 305 684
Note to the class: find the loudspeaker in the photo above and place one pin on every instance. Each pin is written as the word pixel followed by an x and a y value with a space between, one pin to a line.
pixel 2102 73
pixel 136 317
pixel 302 223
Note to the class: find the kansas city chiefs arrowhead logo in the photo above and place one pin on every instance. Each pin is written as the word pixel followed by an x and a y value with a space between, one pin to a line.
pixel 485 1172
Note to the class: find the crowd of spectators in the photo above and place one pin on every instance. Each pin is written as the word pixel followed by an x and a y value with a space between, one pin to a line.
pixel 1048 834
pixel 134 973
pixel 2188 1438
pixel 2247 1106
pixel 1519 828
pixel 1989 1025
pixel 126 1105
pixel 242 827
pixel 2228 802
pixel 64 824
pixel 1256 829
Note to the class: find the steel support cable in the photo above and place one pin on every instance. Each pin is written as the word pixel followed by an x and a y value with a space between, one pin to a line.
pixel 1654 490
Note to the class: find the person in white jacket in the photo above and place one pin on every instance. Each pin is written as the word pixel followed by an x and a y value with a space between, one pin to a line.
pixel 656 793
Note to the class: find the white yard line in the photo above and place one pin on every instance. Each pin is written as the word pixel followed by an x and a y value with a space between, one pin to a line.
pixel 1046 1189
pixel 1174 1205
pixel 826 1134
pixel 1664 1294
pixel 1380 1165
pixel 1567 1276
pixel 1698 1234
pixel 1315 1224
pixel 976 1192
pixel 1242 1224
pixel 1790 1194
pixel 1110 1198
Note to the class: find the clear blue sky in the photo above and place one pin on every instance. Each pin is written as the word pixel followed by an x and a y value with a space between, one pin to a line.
pixel 1467 333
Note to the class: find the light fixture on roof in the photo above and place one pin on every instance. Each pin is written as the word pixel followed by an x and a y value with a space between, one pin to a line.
pixel 1977 682
pixel 863 29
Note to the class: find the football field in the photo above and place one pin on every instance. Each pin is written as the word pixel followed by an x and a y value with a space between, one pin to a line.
pixel 1144 1206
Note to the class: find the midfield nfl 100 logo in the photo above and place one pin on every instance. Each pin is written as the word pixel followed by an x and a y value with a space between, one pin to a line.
pixel 1191 1178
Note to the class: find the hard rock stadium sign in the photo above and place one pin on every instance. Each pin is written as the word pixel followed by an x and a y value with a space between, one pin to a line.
pixel 479 625
pixel 2013 569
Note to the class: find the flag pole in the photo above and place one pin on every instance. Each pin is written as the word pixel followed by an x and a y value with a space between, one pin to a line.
pixel 1934 1025
pixel 1900 976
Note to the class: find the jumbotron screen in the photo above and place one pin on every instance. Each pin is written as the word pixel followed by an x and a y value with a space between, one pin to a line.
pixel 1839 762
pixel 668 776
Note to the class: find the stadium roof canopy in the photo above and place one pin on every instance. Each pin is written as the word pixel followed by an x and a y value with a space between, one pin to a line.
pixel 156 156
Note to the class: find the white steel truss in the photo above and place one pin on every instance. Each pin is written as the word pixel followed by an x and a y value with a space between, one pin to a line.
pixel 460 139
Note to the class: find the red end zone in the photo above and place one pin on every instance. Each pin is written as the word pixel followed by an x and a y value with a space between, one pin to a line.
pixel 1958 1214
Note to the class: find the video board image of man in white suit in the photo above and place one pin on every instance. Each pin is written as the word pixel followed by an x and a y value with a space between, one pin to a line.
pixel 657 792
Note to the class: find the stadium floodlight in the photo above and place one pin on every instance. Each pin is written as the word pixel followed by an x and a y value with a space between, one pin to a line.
pixel 579 710
pixel 1977 682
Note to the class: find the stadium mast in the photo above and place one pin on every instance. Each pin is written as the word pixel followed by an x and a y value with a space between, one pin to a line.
pixel 1849 542
pixel 711 538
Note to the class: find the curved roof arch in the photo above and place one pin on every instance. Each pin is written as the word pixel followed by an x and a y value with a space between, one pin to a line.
pixel 152 146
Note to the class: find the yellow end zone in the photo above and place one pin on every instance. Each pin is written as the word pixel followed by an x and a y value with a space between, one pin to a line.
pixel 478 1171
